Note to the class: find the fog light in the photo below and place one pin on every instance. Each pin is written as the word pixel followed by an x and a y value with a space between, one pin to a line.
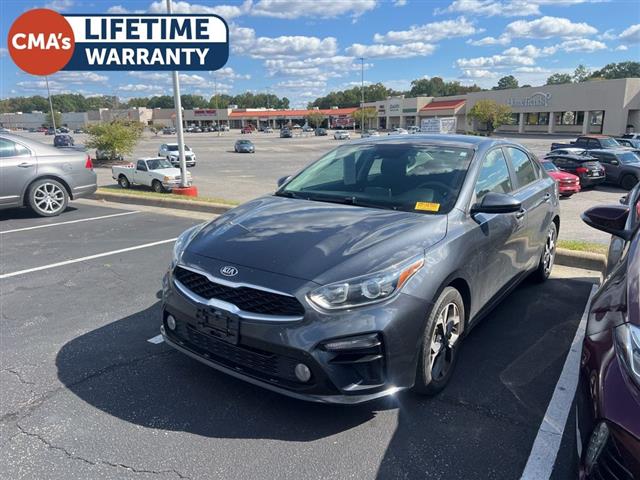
pixel 302 372
pixel 171 322
pixel 353 343
pixel 597 442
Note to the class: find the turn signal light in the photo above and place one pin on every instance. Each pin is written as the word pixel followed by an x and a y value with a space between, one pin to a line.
pixel 88 164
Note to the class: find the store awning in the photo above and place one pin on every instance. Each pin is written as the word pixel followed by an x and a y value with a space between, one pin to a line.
pixel 442 108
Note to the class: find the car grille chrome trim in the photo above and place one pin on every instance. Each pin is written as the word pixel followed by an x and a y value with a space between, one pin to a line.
pixel 232 308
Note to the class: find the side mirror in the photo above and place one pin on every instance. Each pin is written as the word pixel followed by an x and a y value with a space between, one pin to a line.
pixel 497 203
pixel 283 180
pixel 611 219
pixel 615 162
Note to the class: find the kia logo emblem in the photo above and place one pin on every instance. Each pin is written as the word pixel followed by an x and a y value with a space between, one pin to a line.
pixel 229 271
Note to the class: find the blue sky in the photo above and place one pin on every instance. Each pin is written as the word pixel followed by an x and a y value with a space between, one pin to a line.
pixel 303 49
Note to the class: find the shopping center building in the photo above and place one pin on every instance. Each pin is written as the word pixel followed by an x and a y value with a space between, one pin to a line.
pixel 611 107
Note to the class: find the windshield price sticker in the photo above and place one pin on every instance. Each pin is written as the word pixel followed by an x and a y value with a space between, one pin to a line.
pixel 427 206
pixel 41 42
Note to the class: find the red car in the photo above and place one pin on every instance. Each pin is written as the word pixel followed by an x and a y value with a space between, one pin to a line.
pixel 608 404
pixel 568 183
pixel 247 129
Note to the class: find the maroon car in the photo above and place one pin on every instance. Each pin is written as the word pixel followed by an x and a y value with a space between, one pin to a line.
pixel 609 403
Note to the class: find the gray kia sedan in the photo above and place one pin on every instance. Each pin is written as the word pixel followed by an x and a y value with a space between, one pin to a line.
pixel 41 176
pixel 362 274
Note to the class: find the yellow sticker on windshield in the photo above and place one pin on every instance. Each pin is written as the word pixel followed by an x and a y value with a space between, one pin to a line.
pixel 427 206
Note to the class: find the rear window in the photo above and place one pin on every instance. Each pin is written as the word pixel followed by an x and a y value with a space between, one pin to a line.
pixel 549 167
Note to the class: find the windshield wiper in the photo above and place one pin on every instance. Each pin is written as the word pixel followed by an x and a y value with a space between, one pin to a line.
pixel 287 194
pixel 350 200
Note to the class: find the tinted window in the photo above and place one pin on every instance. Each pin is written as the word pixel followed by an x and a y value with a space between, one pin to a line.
pixel 523 166
pixel 7 148
pixel 494 175
pixel 141 165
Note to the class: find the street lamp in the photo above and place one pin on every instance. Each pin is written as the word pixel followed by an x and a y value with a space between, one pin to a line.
pixel 53 117
pixel 362 95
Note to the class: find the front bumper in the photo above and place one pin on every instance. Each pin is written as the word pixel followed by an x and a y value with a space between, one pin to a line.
pixel 190 162
pixel 266 353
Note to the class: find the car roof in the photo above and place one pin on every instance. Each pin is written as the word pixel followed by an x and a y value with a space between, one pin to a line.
pixel 463 141
pixel 596 135
pixel 571 156
pixel 610 150
pixel 151 158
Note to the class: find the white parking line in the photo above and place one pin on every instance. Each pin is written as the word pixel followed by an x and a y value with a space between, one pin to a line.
pixel 156 340
pixel 84 259
pixel 547 443
pixel 68 222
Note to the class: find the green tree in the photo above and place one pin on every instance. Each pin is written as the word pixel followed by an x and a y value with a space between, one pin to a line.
pixel 491 113
pixel 559 79
pixel 506 82
pixel 57 116
pixel 437 87
pixel 617 70
pixel 581 74
pixel 352 97
pixel 116 138
pixel 315 119
pixel 363 115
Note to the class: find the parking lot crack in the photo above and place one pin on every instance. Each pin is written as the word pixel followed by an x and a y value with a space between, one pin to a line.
pixel 18 375
pixel 482 410
pixel 79 458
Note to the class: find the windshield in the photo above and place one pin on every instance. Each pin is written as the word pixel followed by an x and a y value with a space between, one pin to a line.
pixel 174 148
pixel 158 164
pixel 629 157
pixel 608 143
pixel 414 177
pixel 244 142
pixel 549 167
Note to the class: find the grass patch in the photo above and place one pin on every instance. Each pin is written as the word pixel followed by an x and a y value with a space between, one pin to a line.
pixel 137 191
pixel 580 246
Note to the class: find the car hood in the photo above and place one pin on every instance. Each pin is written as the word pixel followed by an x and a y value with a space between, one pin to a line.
pixel 318 241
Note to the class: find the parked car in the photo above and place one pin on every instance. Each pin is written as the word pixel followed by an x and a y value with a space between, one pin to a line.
pixel 224 128
pixel 246 129
pixel 321 132
pixel 42 177
pixel 363 273
pixel 568 184
pixel 5 130
pixel 413 129
pixel 587 168
pixel 286 133
pixel 78 131
pixel 370 133
pixel 341 135
pixel 398 131
pixel 567 151
pixel 589 142
pixel 63 130
pixel 307 128
pixel 171 152
pixel 63 140
pixel 244 146
pixel 157 173
pixel 629 142
pixel 268 130
pixel 608 402
pixel 50 131
pixel 622 167
pixel 631 135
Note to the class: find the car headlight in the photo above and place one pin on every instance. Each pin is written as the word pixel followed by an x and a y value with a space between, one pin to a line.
pixel 367 289
pixel 627 340
pixel 182 242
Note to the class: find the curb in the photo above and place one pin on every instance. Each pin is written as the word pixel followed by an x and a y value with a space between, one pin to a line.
pixel 584 260
pixel 191 205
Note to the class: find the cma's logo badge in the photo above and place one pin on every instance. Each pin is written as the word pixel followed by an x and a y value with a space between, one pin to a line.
pixel 229 271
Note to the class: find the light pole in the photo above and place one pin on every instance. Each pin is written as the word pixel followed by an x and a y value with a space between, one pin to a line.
pixel 215 86
pixel 362 95
pixel 53 117
pixel 177 102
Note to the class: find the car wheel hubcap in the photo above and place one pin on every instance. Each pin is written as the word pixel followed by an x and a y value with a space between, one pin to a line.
pixel 445 337
pixel 49 198
pixel 549 252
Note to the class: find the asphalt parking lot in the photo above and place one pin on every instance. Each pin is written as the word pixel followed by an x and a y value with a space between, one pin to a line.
pixel 223 174
pixel 85 394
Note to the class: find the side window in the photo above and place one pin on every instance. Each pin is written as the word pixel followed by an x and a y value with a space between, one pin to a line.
pixel 494 175
pixel 22 151
pixel 141 166
pixel 592 143
pixel 7 148
pixel 523 166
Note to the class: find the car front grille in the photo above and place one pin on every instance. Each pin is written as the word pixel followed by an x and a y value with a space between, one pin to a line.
pixel 610 465
pixel 268 366
pixel 245 298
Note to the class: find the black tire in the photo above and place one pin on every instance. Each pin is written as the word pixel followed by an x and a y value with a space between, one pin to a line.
pixel 435 368
pixel 157 186
pixel 123 181
pixel 628 182
pixel 548 255
pixel 566 195
pixel 47 197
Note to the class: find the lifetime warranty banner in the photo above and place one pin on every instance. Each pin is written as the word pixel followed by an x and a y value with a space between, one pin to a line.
pixel 42 41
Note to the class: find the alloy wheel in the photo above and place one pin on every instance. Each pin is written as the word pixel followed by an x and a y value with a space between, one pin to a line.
pixel 49 198
pixel 443 341
pixel 549 252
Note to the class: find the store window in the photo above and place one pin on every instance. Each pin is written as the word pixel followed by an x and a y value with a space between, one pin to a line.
pixel 569 118
pixel 597 117
pixel 537 118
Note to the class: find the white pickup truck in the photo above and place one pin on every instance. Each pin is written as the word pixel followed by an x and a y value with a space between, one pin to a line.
pixel 157 173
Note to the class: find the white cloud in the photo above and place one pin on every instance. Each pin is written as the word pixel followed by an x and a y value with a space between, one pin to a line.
pixel 478 73
pixel 318 68
pixel 531 70
pixel 631 34
pixel 429 32
pixel 582 45
pixel 548 27
pixel 501 40
pixel 140 88
pixel 304 84
pixel 407 50
pixel 494 61
pixel 399 3
pixel 609 35
pixel 292 46
pixel 225 11
pixel 79 77
pixel 621 48
pixel 315 9
pixel 228 73
pixel 59 5
pixel 507 8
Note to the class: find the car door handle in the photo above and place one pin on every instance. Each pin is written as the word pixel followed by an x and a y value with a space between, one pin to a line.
pixel 547 197
pixel 520 215
pixel 25 165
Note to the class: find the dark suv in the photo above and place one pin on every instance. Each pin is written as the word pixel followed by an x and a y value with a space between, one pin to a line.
pixel 622 166
pixel 587 168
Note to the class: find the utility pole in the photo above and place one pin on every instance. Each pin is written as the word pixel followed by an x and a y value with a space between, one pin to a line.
pixel 362 92
pixel 53 117
pixel 215 103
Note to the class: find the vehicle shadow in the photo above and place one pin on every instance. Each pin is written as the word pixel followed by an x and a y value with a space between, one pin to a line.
pixel 25 213
pixel 115 369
